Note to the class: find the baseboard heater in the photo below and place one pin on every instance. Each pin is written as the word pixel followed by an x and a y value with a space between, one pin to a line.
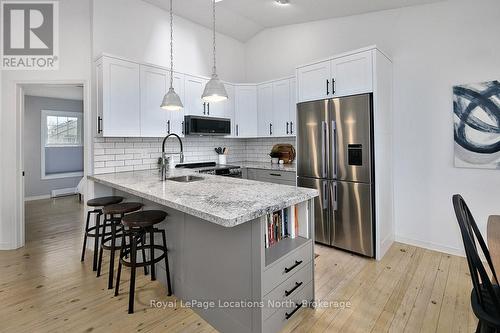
pixel 63 192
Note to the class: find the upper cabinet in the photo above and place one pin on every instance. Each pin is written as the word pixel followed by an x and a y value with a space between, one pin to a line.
pixel 118 98
pixel 292 114
pixel 281 108
pixel 265 109
pixel 245 118
pixel 175 120
pixel 314 81
pixel 341 76
pixel 193 89
pixel 352 74
pixel 154 84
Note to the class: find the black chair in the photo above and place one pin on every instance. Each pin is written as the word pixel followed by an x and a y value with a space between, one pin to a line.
pixel 485 295
pixel 138 226
pixel 113 215
pixel 96 231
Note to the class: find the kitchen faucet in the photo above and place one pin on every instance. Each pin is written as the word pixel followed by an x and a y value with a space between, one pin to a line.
pixel 164 161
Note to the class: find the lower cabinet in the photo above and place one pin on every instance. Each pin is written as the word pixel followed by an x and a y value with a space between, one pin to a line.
pixel 271 176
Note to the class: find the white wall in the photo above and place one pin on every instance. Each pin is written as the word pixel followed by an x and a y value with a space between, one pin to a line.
pixel 140 31
pixel 433 47
pixel 67 157
pixel 74 34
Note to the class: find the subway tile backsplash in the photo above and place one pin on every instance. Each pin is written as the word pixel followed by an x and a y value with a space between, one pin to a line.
pixel 128 154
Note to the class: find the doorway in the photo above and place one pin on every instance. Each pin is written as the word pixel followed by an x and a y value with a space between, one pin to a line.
pixel 53 155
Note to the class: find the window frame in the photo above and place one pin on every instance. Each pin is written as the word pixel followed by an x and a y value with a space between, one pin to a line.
pixel 43 141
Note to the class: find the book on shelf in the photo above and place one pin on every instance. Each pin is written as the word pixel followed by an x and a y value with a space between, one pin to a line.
pixel 280 225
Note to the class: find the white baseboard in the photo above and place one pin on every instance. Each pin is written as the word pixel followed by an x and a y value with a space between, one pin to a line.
pixel 384 247
pixel 37 197
pixel 431 246
pixel 7 246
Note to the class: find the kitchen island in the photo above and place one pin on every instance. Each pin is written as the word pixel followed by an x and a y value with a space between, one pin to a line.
pixel 223 258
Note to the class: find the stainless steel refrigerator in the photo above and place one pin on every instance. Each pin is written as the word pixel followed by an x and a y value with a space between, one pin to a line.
pixel 335 156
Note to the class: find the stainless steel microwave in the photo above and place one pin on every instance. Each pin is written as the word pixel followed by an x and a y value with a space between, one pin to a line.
pixel 197 125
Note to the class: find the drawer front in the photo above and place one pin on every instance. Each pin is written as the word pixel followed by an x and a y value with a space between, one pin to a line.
pixel 278 320
pixel 288 289
pixel 284 268
pixel 272 174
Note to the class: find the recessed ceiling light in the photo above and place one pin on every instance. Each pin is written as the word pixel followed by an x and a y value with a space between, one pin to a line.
pixel 282 2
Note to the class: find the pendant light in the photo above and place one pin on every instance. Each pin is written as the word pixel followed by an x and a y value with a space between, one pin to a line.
pixel 171 101
pixel 214 90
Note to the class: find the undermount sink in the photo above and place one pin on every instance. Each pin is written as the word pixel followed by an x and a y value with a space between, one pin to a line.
pixel 185 179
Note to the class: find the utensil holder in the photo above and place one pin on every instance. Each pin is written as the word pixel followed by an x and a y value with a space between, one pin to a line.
pixel 222 159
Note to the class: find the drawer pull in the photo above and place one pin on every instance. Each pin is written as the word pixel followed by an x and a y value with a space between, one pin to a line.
pixel 289 315
pixel 289 292
pixel 275 174
pixel 289 269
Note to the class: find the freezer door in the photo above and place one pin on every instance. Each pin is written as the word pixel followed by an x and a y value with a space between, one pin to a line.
pixel 350 129
pixel 322 226
pixel 312 139
pixel 353 227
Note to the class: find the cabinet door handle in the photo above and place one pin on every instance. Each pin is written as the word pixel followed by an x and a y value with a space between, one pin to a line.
pixel 289 315
pixel 204 107
pixel 182 125
pixel 168 126
pixel 287 128
pixel 289 269
pixel 289 292
pixel 291 127
pixel 99 125
pixel 208 108
pixel 327 86
pixel 237 131
pixel 270 129
pixel 333 86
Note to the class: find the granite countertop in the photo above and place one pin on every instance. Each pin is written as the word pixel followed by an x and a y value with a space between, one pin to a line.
pixel 267 166
pixel 224 201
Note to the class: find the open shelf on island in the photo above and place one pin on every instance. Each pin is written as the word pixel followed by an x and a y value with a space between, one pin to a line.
pixel 285 230
pixel 283 247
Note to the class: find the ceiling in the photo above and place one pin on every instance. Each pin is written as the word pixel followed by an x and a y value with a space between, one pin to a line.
pixel 243 19
pixel 74 92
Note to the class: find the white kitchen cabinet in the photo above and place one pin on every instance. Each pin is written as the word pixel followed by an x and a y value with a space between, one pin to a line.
pixel 229 106
pixel 265 109
pixel 353 74
pixel 193 89
pixel 292 114
pixel 176 118
pixel 118 98
pixel 281 107
pixel 314 81
pixel 345 75
pixel 219 109
pixel 246 111
pixel 154 84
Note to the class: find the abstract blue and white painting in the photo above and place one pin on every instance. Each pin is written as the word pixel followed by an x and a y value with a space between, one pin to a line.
pixel 476 109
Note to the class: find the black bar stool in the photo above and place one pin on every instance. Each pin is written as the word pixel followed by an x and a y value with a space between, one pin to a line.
pixel 139 224
pixel 94 231
pixel 113 215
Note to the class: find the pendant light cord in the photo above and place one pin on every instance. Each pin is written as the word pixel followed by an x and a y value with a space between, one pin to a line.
pixel 213 12
pixel 171 46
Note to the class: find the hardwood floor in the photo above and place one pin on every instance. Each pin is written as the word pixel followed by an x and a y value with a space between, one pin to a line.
pixel 45 288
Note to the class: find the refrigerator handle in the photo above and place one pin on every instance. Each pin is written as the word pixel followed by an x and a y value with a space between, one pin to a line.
pixel 334 147
pixel 324 150
pixel 335 201
pixel 325 195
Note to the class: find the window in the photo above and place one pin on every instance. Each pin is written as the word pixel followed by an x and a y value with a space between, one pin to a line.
pixel 62 144
pixel 61 128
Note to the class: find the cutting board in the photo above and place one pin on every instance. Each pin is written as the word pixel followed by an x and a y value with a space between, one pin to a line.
pixel 286 152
